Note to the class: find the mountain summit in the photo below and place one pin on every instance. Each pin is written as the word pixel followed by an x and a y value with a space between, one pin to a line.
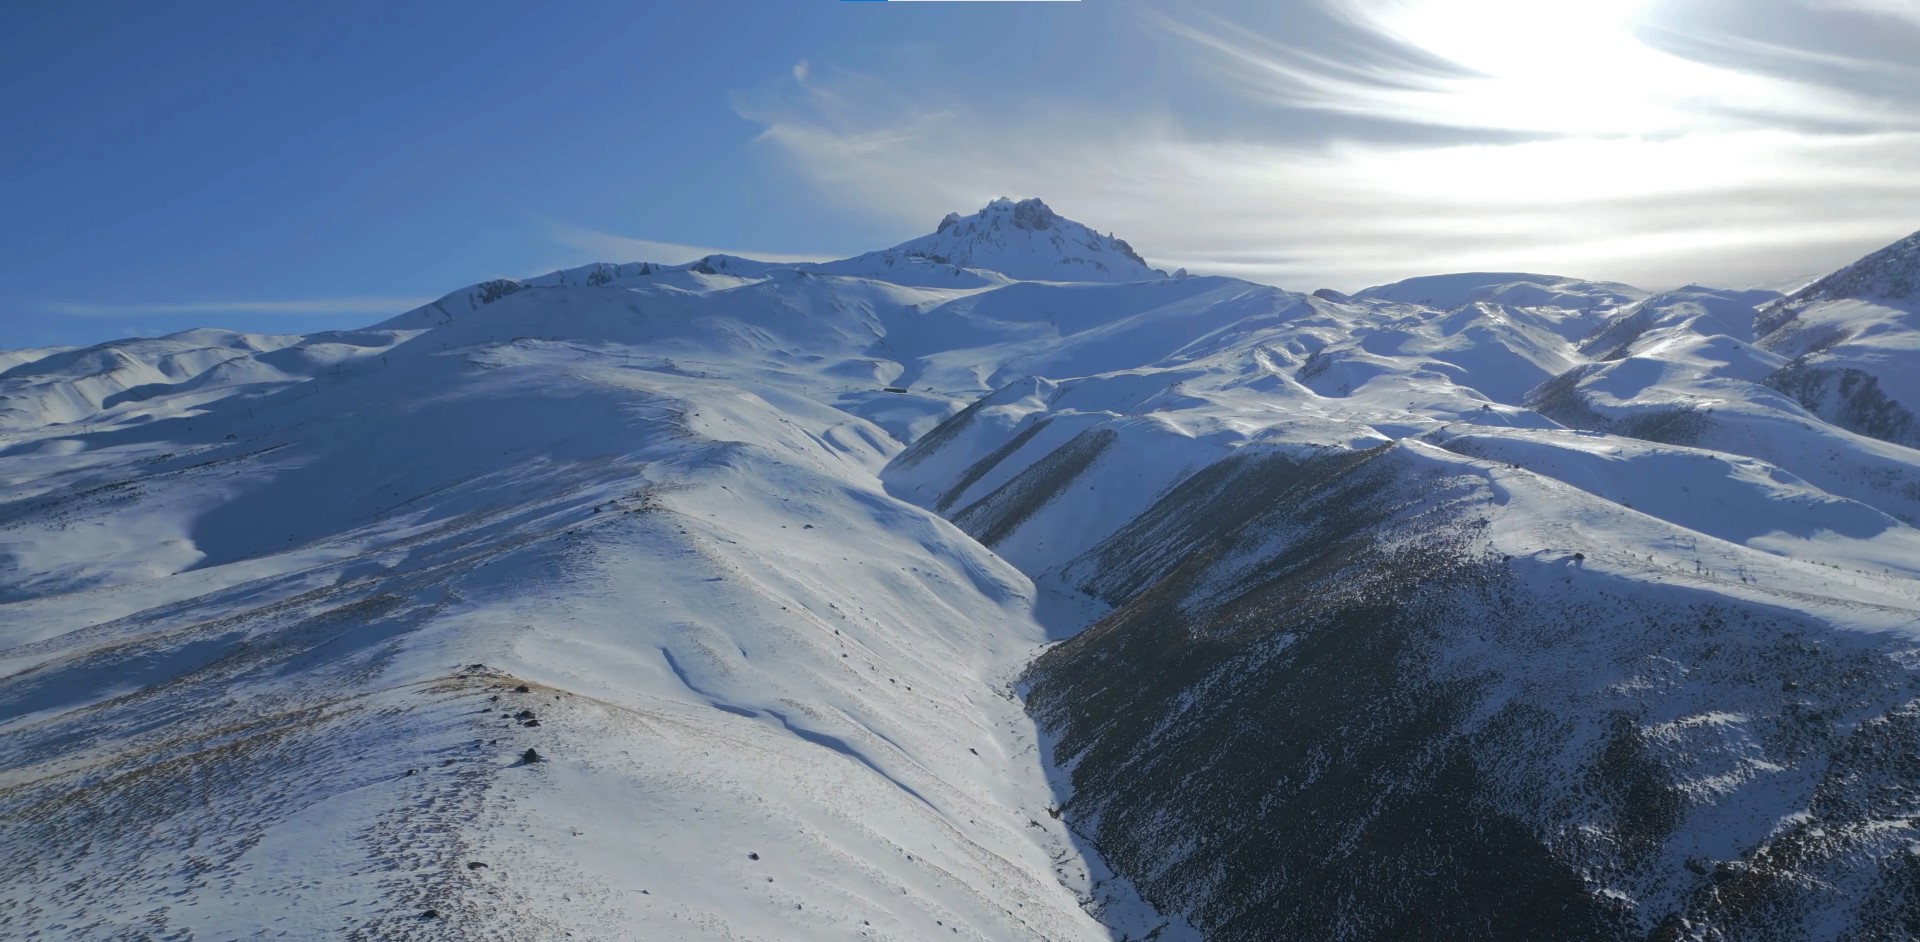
pixel 1024 240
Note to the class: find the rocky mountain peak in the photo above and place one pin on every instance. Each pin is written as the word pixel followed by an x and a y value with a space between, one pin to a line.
pixel 1022 239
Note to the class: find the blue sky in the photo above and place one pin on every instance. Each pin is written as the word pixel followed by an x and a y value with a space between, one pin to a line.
pixel 268 167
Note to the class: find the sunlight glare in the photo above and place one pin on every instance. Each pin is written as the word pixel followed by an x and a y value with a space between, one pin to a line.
pixel 1570 67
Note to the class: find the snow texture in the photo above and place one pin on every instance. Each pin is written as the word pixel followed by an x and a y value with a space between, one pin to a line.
pixel 703 601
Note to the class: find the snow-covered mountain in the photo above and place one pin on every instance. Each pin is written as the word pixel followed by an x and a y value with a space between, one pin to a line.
pixel 993 586
pixel 1024 240
pixel 1852 337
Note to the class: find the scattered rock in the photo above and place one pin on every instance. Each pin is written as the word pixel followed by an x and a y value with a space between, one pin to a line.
pixel 523 688
pixel 430 914
pixel 475 865
pixel 529 757
pixel 530 724
pixel 523 715
pixel 751 856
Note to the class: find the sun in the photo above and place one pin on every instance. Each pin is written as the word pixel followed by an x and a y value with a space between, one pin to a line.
pixel 1487 30
pixel 1577 64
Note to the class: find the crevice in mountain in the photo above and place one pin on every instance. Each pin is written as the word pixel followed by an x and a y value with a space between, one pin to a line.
pixel 994 517
pixel 1561 400
pixel 980 468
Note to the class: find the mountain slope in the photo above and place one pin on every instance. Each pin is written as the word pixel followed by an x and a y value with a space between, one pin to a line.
pixel 1499 606
pixel 768 701
pixel 1854 340
pixel 1553 684
pixel 1491 737
pixel 826 696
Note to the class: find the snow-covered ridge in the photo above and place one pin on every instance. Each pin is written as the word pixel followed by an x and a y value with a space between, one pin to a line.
pixel 1519 289
pixel 1526 588
pixel 1890 274
pixel 1025 240
pixel 1851 338
pixel 1005 241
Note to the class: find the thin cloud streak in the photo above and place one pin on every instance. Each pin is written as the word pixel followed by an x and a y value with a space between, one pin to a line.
pixel 348 305
pixel 1549 73
pixel 605 246
pixel 1899 9
pixel 1711 188
pixel 1349 215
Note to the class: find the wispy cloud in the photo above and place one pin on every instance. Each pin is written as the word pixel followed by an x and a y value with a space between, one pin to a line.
pixel 605 246
pixel 1615 156
pixel 1899 9
pixel 1527 66
pixel 347 305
